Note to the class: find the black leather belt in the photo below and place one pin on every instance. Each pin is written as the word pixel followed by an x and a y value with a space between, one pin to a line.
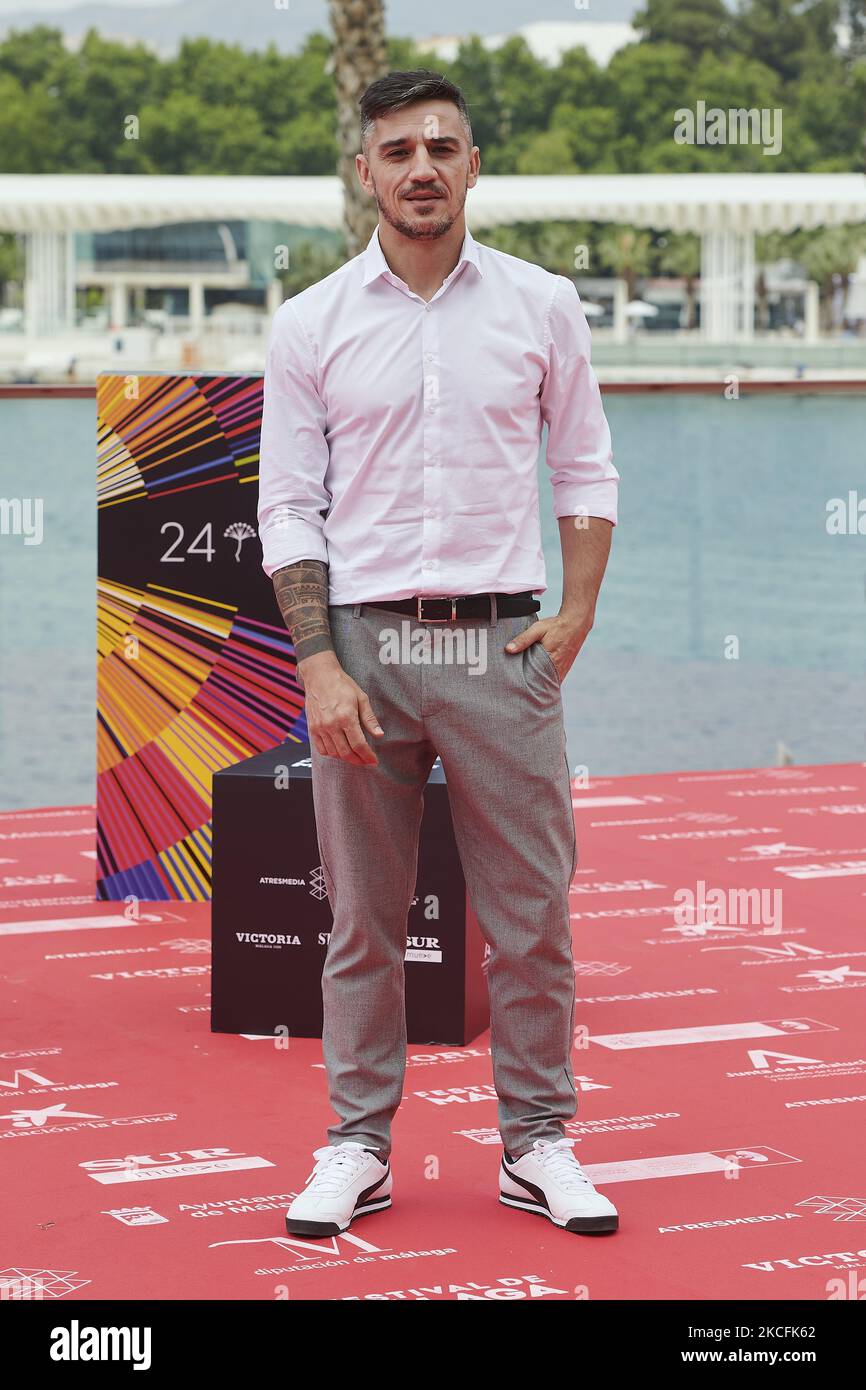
pixel 442 609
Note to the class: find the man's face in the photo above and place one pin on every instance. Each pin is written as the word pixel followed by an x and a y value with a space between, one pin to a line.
pixel 419 167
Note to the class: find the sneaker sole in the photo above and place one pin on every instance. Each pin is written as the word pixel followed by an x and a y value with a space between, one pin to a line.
pixel 331 1228
pixel 578 1225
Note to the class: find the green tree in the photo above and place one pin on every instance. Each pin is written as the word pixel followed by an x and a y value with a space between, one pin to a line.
pixel 11 262
pixel 553 245
pixel 681 256
pixel 736 81
pixel 649 81
pixel 308 145
pixel 218 108
pixel 309 262
pixel 826 253
pixel 853 12
pixel 31 128
pixel 695 24
pixel 525 87
pixel 590 133
pixel 770 247
pixel 580 82
pixel 33 55
pixel 547 152
pixel 789 36
pixel 627 253
pixel 99 85
pixel 833 116
pixel 184 135
pixel 475 72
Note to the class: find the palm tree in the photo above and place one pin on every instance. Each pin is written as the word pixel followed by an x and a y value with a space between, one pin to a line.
pixel 553 245
pixel 772 246
pixel 627 253
pixel 681 255
pixel 359 56
pixel 827 253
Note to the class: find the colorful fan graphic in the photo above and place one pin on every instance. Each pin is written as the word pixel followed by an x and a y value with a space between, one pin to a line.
pixel 196 670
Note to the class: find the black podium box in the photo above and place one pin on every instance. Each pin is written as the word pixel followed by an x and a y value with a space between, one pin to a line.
pixel 272 919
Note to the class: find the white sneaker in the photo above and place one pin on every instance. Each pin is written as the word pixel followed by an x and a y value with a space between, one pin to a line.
pixel 347 1181
pixel 550 1181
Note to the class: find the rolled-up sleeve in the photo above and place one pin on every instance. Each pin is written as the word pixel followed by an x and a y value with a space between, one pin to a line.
pixel 584 480
pixel 293 499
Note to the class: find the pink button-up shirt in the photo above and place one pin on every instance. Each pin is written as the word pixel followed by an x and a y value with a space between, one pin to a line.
pixel 400 438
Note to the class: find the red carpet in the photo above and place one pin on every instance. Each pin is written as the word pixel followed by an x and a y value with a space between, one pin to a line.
pixel 722 1087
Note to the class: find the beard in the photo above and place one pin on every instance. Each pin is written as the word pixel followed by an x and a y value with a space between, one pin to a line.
pixel 429 229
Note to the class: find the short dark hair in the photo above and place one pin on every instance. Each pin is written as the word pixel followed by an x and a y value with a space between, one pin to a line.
pixel 398 89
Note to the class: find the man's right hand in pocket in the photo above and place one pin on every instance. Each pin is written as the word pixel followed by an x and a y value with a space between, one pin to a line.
pixel 338 711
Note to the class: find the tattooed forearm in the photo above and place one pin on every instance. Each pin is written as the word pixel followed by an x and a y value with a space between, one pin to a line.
pixel 302 594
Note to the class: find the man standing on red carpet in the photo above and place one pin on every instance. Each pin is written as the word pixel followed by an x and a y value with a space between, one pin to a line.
pixel 404 400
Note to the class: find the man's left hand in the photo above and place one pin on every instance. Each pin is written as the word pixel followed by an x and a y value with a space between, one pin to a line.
pixel 562 637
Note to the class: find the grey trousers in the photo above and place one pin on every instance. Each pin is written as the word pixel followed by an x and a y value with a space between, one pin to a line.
pixel 495 719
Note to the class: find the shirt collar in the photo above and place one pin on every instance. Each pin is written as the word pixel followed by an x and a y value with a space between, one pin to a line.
pixel 375 264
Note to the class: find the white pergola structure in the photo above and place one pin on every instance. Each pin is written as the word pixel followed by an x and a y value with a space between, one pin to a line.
pixel 725 210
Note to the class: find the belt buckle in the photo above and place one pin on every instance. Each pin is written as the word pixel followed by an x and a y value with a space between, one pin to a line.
pixel 421 601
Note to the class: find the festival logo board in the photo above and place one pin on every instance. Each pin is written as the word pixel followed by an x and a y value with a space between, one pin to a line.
pixel 195 668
